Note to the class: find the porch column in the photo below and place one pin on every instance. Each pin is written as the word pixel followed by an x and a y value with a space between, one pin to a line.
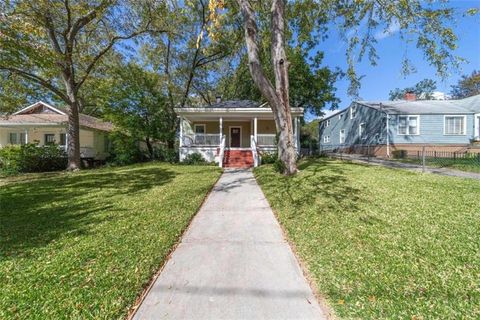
pixel 26 136
pixel 255 128
pixel 181 132
pixel 296 132
pixel 220 125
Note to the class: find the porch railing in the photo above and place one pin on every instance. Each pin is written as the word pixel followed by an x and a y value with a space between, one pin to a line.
pixel 202 139
pixel 266 140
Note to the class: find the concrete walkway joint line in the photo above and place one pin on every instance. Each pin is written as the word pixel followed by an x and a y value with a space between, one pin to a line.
pixel 233 263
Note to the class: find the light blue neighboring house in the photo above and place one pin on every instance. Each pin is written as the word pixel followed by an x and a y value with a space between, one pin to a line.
pixel 384 126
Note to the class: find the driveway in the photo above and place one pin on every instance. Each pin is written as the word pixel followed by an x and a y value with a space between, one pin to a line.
pixel 232 263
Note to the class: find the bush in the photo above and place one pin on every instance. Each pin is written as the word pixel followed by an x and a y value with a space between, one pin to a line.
pixel 163 153
pixel 278 166
pixel 399 154
pixel 194 159
pixel 125 149
pixel 269 157
pixel 32 158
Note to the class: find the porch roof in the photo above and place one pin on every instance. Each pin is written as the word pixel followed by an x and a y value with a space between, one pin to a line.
pixel 233 109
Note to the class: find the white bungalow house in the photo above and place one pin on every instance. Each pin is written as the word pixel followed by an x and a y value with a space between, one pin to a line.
pixel 45 124
pixel 231 133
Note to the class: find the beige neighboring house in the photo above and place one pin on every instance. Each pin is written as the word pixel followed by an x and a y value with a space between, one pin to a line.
pixel 231 133
pixel 45 124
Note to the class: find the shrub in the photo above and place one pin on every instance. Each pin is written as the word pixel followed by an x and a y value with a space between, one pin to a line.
pixel 269 157
pixel 399 154
pixel 195 159
pixel 278 166
pixel 32 158
pixel 163 153
pixel 125 149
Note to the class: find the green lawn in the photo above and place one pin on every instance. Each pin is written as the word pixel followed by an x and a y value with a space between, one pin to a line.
pixel 469 164
pixel 383 243
pixel 83 245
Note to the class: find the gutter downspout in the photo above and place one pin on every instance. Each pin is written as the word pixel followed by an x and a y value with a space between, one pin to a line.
pixel 387 128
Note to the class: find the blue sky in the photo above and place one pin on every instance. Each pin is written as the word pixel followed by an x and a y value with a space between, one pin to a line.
pixel 380 79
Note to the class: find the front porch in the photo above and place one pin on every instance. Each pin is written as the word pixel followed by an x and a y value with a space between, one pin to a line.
pixel 211 137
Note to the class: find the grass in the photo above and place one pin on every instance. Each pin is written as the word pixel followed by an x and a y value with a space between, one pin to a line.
pixel 83 245
pixel 462 164
pixel 383 243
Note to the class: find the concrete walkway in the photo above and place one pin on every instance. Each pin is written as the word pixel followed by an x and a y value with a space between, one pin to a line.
pixel 408 166
pixel 233 263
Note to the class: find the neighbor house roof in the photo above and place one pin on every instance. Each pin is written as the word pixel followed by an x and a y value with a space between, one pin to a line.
pixel 462 106
pixel 43 114
pixel 235 104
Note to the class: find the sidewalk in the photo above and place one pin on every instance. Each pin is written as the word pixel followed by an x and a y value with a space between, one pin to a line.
pixel 408 166
pixel 233 263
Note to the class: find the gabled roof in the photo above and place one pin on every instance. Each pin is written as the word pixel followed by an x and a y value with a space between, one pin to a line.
pixel 36 114
pixel 462 106
pixel 31 108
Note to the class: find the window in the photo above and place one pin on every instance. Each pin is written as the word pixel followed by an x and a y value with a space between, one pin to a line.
pixel 342 136
pixel 340 116
pixel 17 138
pixel 454 125
pixel 408 125
pixel 361 130
pixel 327 123
pixel 63 139
pixel 49 138
pixel 13 138
pixel 199 128
pixel 353 112
pixel 326 139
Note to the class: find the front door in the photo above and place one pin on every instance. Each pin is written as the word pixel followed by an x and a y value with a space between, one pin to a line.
pixel 235 134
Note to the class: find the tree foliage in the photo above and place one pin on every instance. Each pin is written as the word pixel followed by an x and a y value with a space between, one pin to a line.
pixel 139 106
pixel 423 90
pixel 467 86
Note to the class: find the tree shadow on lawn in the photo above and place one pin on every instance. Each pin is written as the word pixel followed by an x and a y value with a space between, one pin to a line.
pixel 35 213
pixel 319 179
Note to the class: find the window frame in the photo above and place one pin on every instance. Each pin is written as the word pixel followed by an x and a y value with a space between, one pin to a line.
pixel 408 116
pixel 200 125
pixel 327 123
pixel 326 139
pixel 20 138
pixel 361 133
pixel 45 139
pixel 340 116
pixel 60 139
pixel 342 135
pixel 464 116
pixel 353 115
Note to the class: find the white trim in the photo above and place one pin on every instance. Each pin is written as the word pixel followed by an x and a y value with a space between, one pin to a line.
pixel 476 120
pixel 342 134
pixel 326 139
pixel 327 123
pixel 408 131
pixel 230 136
pixel 360 132
pixel 455 116
pixel 351 113
pixel 199 125
pixel 36 105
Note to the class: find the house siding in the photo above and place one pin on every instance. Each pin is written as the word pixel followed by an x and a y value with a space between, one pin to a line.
pixel 374 133
pixel 431 131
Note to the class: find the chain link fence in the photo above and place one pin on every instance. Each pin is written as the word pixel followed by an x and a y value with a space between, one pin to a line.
pixel 426 156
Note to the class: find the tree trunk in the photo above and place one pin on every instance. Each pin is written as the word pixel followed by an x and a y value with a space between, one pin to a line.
pixel 278 97
pixel 150 148
pixel 73 148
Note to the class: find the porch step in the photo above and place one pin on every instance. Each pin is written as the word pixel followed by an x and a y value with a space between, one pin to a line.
pixel 237 159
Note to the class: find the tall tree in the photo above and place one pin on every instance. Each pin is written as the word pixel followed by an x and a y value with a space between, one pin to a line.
pixel 140 106
pixel 58 45
pixel 423 90
pixel 467 86
pixel 426 22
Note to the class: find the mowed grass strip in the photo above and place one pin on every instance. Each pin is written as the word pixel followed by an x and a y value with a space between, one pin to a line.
pixel 383 243
pixel 83 245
